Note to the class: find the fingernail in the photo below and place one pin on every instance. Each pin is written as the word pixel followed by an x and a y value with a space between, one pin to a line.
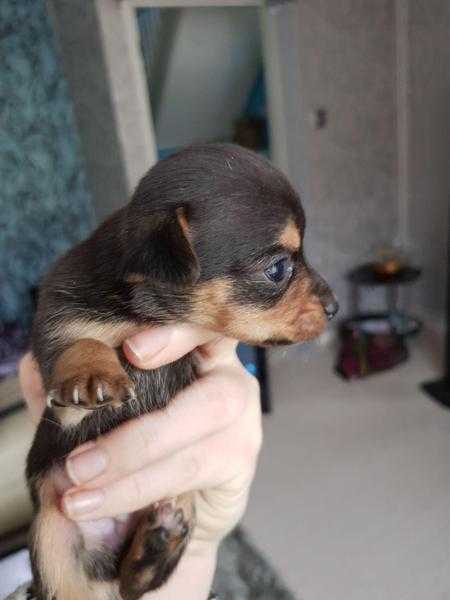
pixel 80 503
pixel 147 344
pixel 82 467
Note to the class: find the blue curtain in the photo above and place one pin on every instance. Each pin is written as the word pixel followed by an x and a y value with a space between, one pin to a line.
pixel 44 201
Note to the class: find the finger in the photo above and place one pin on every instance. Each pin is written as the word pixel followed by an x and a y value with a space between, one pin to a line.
pixel 230 459
pixel 32 386
pixel 209 405
pixel 219 351
pixel 153 348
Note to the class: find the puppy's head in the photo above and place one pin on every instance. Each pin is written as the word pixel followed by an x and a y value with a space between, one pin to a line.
pixel 218 231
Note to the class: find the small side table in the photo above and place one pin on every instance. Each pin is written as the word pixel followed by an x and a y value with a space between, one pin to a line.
pixel 366 276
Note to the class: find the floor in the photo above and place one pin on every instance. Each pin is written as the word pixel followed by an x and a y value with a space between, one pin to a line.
pixel 352 496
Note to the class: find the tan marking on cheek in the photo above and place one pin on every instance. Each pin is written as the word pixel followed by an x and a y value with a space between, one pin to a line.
pixel 298 316
pixel 290 236
pixel 211 307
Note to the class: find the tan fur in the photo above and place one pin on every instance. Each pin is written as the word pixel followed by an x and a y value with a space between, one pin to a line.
pixel 55 536
pixel 69 416
pixel 135 278
pixel 298 316
pixel 183 222
pixel 290 236
pixel 83 368
pixel 112 334
pixel 87 356
pixel 210 304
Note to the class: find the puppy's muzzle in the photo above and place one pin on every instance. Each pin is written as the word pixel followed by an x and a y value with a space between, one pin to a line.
pixel 331 308
pixel 325 294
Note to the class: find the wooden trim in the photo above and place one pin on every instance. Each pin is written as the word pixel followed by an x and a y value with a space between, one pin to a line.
pixel 275 88
pixel 140 118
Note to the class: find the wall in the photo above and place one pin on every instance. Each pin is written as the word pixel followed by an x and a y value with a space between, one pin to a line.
pixel 348 175
pixel 44 202
pixel 346 61
pixel 429 146
pixel 378 173
pixel 213 64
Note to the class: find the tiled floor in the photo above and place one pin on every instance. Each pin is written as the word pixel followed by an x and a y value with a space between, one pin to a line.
pixel 352 496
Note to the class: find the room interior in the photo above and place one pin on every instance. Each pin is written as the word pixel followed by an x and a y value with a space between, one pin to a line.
pixel 350 99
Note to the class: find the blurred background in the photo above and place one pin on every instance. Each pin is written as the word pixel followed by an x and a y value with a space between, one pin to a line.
pixel 350 98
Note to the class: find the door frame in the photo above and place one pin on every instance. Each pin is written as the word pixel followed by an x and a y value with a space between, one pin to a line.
pixel 108 86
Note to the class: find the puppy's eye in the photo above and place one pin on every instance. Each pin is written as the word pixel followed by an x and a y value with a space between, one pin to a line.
pixel 279 271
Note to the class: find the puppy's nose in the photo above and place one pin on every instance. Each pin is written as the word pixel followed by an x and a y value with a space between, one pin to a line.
pixel 331 308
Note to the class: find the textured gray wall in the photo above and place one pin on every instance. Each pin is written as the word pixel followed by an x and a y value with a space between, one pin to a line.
pixel 347 66
pixel 429 183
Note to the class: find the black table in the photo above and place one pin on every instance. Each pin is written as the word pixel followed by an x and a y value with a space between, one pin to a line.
pixel 366 276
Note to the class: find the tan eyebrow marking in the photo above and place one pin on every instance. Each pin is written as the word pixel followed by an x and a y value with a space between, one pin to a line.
pixel 290 236
pixel 135 278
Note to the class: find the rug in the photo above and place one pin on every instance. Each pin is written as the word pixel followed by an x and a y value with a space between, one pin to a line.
pixel 244 574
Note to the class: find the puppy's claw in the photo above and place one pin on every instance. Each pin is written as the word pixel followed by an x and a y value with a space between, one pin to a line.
pixel 76 395
pixel 50 398
pixel 100 395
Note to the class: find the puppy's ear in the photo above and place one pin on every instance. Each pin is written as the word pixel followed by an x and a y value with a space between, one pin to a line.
pixel 165 253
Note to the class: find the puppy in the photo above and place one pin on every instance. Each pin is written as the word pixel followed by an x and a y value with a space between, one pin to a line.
pixel 212 236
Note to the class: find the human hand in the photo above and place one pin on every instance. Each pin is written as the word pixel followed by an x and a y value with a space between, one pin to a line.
pixel 207 440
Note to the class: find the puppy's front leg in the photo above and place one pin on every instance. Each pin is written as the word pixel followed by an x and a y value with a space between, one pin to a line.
pixel 88 376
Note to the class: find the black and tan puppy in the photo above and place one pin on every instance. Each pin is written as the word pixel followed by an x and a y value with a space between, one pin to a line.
pixel 212 236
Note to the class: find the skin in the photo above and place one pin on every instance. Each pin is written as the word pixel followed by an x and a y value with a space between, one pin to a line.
pixel 162 454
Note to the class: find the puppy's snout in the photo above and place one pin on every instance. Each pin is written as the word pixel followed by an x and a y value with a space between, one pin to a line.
pixel 331 308
pixel 325 294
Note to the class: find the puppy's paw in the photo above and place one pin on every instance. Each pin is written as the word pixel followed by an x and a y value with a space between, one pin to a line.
pixel 166 525
pixel 93 390
pixel 160 539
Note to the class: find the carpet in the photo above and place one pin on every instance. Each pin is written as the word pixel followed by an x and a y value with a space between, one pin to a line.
pixel 244 574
